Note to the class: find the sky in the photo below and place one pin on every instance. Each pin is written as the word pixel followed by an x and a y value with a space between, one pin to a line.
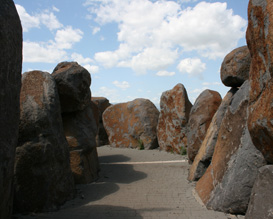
pixel 135 48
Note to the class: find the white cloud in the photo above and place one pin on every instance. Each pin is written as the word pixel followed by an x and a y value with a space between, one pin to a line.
pixel 49 20
pixel 210 29
pixel 55 9
pixel 123 84
pixel 111 94
pixel 93 69
pixel 165 73
pixel 211 83
pixel 95 30
pixel 66 37
pixel 80 59
pixel 192 66
pixel 27 20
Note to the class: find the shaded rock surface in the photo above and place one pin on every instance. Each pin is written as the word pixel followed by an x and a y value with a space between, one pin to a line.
pixel 235 67
pixel 261 200
pixel 205 153
pixel 201 115
pixel 80 129
pixel 73 83
pixel 103 104
pixel 43 178
pixel 132 124
pixel 260 43
pixel 10 84
pixel 174 115
pixel 227 183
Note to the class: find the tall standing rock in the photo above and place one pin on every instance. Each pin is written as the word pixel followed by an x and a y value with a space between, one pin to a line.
pixel 10 84
pixel 205 153
pixel 103 104
pixel 201 115
pixel 132 124
pixel 79 119
pixel 260 43
pixel 43 178
pixel 261 200
pixel 227 183
pixel 175 109
pixel 235 67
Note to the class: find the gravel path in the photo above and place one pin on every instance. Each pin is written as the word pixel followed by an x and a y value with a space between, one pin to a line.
pixel 136 184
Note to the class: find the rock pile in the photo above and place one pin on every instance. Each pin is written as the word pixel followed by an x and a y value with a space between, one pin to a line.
pixel 79 122
pixel 10 83
pixel 132 124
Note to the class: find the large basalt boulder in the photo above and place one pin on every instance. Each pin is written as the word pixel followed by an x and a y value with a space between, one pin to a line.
pixel 235 67
pixel 10 84
pixel 103 104
pixel 260 204
pixel 175 108
pixel 80 129
pixel 132 124
pixel 73 83
pixel 201 115
pixel 43 178
pixel 205 153
pixel 227 183
pixel 260 43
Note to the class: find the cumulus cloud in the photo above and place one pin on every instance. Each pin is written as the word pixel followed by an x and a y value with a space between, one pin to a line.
pixel 80 59
pixel 66 37
pixel 121 84
pixel 150 29
pixel 93 69
pixel 165 73
pixel 49 20
pixel 192 66
pixel 111 94
pixel 95 30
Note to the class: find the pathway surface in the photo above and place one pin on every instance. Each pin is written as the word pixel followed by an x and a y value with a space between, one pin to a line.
pixel 136 184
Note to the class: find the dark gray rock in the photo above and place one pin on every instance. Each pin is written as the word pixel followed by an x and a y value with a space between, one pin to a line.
pixel 73 82
pixel 10 83
pixel 43 178
pixel 261 200
pixel 235 67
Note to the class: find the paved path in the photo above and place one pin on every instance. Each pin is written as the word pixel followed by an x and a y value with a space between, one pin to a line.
pixel 136 184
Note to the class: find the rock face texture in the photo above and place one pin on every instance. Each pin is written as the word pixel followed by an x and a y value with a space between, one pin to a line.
pixel 227 183
pixel 79 119
pixel 205 153
pixel 73 86
pixel 132 124
pixel 10 84
pixel 103 104
pixel 43 178
pixel 260 43
pixel 201 115
pixel 174 115
pixel 235 67
pixel 260 205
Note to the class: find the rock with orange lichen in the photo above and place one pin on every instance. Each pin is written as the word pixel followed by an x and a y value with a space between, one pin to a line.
pixel 174 115
pixel 227 183
pixel 204 156
pixel 201 115
pixel 260 43
pixel 132 124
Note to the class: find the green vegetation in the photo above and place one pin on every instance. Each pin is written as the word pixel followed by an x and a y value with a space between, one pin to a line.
pixel 140 144
pixel 183 150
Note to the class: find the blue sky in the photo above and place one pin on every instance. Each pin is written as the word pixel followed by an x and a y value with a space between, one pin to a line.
pixel 135 48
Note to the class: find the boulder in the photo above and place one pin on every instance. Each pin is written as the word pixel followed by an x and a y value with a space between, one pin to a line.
pixel 227 183
pixel 103 104
pixel 260 204
pixel 201 115
pixel 73 83
pixel 260 43
pixel 172 123
pixel 235 67
pixel 10 84
pixel 43 178
pixel 205 153
pixel 80 129
pixel 132 124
